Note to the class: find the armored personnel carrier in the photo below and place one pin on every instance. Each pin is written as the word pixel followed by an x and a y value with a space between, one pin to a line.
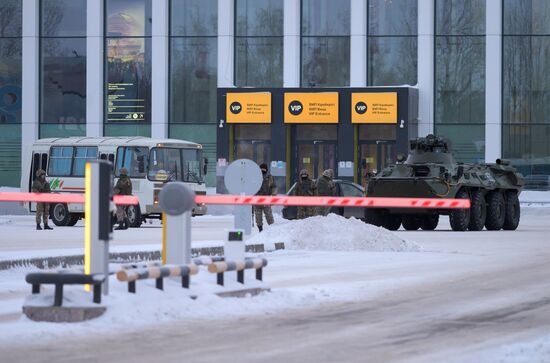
pixel 430 171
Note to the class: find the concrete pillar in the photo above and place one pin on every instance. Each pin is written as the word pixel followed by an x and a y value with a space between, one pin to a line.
pixel 493 81
pixel 30 114
pixel 426 67
pixel 160 81
pixel 358 44
pixel 226 43
pixel 94 69
pixel 291 43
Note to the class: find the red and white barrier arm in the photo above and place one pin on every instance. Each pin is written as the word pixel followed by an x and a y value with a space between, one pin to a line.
pixel 71 198
pixel 336 201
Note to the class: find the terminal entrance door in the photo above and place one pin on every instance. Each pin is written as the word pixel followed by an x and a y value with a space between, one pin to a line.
pixel 376 148
pixel 315 149
pixel 253 142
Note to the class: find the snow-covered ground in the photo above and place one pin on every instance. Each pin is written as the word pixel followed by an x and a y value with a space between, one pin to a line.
pixel 342 291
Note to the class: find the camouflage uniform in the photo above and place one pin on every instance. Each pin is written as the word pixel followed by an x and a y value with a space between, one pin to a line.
pixel 40 185
pixel 123 187
pixel 325 188
pixel 305 187
pixel 268 188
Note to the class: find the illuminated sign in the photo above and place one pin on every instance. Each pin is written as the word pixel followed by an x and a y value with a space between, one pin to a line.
pixel 374 108
pixel 122 106
pixel 249 107
pixel 319 107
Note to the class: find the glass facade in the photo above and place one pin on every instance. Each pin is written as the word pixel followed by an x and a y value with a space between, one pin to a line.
pixel 325 43
pixel 10 92
pixel 526 89
pixel 460 76
pixel 258 43
pixel 193 75
pixel 128 68
pixel 392 42
pixel 62 68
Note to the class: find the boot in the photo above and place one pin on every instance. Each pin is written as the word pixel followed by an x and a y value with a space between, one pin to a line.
pixel 47 227
pixel 120 226
pixel 260 228
pixel 126 223
pixel 38 228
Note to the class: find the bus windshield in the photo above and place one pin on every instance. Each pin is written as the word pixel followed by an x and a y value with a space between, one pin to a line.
pixel 134 159
pixel 173 164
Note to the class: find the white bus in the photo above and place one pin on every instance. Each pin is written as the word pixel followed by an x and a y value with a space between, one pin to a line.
pixel 150 163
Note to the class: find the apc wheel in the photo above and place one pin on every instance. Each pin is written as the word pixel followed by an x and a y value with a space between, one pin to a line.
pixel 73 219
pixel 496 211
pixel 374 216
pixel 134 216
pixel 411 223
pixel 478 211
pixel 512 212
pixel 392 222
pixel 460 218
pixel 59 213
pixel 429 222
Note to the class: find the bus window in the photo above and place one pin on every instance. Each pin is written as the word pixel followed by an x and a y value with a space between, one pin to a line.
pixel 35 165
pixel 165 164
pixel 134 159
pixel 103 157
pixel 44 162
pixel 60 161
pixel 81 155
pixel 112 158
pixel 191 166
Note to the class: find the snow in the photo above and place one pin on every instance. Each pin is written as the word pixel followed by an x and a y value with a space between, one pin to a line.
pixel 333 233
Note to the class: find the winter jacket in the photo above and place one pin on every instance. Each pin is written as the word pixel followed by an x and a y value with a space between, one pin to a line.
pixel 326 187
pixel 123 186
pixel 268 186
pixel 306 188
pixel 41 186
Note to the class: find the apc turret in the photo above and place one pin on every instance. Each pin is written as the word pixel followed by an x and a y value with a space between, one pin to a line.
pixel 430 171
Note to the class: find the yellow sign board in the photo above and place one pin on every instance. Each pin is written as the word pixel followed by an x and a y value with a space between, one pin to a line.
pixel 374 108
pixel 254 107
pixel 304 108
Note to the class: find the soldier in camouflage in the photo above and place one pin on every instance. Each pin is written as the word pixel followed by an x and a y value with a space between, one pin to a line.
pixel 41 185
pixel 326 188
pixel 123 187
pixel 305 187
pixel 268 188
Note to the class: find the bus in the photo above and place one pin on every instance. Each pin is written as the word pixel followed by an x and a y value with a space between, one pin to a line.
pixel 150 163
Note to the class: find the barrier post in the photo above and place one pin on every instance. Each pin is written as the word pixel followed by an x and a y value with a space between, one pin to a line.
pixel 98 227
pixel 177 200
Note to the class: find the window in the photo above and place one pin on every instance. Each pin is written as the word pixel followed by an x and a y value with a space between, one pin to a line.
pixel 191 165
pixel 135 159
pixel 349 190
pixel 81 156
pixel 62 67
pixel 526 90
pixel 259 43
pixel 460 77
pixel 392 42
pixel 60 161
pixel 128 66
pixel 325 43
pixel 165 165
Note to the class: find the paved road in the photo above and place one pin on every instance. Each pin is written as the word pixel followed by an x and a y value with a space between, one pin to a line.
pixel 496 291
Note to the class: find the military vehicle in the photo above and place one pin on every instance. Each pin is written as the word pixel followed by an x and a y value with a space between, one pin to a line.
pixel 430 171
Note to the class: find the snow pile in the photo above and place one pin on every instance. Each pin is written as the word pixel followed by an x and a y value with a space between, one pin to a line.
pixel 4 221
pixel 332 233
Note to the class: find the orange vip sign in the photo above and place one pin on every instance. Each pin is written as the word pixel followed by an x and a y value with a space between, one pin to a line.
pixel 374 108
pixel 311 107
pixel 253 107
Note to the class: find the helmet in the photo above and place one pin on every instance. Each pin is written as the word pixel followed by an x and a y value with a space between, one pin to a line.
pixel 40 172
pixel 329 173
pixel 123 171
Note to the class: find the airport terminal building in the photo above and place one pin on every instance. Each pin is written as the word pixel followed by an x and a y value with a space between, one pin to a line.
pixel 312 84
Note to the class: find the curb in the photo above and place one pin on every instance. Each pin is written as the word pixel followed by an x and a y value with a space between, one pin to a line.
pixel 122 257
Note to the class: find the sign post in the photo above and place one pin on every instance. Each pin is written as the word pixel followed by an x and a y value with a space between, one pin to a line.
pixel 243 177
pixel 98 228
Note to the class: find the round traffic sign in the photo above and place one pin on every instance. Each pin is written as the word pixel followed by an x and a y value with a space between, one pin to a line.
pixel 243 176
pixel 176 198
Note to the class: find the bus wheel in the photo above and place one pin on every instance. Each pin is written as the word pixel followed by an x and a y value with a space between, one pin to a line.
pixel 73 220
pixel 134 216
pixel 59 213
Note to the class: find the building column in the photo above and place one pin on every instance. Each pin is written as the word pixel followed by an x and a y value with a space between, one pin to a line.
pixel 226 43
pixel 159 62
pixel 426 66
pixel 30 114
pixel 94 69
pixel 493 81
pixel 291 44
pixel 358 44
